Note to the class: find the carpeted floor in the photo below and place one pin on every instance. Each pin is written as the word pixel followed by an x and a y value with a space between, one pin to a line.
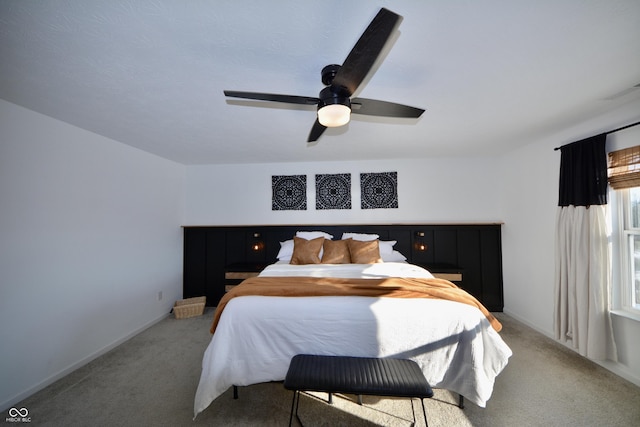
pixel 151 381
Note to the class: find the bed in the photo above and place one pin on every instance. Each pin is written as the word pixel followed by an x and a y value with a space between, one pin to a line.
pixel 457 346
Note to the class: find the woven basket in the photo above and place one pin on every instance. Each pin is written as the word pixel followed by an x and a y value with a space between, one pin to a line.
pixel 190 307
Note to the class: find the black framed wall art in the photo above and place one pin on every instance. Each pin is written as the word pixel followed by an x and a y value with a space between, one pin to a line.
pixel 333 191
pixel 289 192
pixel 379 190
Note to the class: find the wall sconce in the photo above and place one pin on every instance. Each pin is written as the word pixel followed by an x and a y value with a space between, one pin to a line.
pixel 419 244
pixel 257 245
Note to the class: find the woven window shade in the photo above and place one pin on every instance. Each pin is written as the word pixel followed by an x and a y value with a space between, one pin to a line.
pixel 624 168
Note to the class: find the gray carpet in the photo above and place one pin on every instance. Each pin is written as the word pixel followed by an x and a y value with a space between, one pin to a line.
pixel 151 380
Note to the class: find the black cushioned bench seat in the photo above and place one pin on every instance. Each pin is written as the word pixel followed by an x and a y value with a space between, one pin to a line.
pixel 356 375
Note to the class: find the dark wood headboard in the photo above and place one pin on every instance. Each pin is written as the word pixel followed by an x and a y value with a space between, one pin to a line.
pixel 472 250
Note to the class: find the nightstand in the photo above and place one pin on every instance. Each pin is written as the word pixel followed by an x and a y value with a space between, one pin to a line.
pixel 236 273
pixel 448 272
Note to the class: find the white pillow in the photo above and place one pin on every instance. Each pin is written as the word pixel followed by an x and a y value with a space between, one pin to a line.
pixel 310 235
pixel 394 256
pixel 386 247
pixel 286 250
pixel 360 237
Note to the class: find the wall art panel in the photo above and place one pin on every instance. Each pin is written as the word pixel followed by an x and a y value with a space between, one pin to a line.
pixel 379 190
pixel 333 191
pixel 289 192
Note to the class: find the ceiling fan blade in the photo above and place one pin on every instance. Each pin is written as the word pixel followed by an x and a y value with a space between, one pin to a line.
pixel 365 52
pixel 316 131
pixel 374 107
pixel 290 99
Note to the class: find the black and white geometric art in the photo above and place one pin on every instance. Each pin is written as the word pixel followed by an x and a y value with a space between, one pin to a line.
pixel 333 191
pixel 289 192
pixel 379 190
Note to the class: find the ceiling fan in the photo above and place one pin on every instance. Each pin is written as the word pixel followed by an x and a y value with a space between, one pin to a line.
pixel 334 102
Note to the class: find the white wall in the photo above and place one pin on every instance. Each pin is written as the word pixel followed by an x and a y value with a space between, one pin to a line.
pixel 90 233
pixel 530 203
pixel 429 190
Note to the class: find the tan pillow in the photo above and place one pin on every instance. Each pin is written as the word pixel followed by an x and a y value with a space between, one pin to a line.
pixel 336 252
pixel 306 251
pixel 364 252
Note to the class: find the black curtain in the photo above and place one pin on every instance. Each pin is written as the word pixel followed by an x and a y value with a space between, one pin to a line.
pixel 583 172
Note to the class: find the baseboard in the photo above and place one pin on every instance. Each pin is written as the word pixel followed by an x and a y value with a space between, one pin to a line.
pixel 614 367
pixel 526 322
pixel 64 372
pixel 620 370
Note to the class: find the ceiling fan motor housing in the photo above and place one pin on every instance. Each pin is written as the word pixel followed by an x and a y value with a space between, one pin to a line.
pixel 329 97
pixel 328 73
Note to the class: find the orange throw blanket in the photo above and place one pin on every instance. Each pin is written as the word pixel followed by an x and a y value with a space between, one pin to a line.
pixel 395 287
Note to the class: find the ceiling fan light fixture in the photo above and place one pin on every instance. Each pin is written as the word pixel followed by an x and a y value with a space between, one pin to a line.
pixel 334 115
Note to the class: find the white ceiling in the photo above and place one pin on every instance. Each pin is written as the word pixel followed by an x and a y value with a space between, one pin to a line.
pixel 492 75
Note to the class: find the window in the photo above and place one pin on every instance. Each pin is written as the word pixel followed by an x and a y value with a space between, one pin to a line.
pixel 624 180
pixel 629 238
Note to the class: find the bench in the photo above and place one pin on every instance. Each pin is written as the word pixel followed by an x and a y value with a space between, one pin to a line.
pixel 356 375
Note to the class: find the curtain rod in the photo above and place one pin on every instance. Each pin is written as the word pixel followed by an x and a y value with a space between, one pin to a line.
pixel 604 133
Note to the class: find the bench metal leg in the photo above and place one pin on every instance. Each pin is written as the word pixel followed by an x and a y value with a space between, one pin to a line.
pixel 235 391
pixel 424 412
pixel 413 413
pixel 294 404
pixel 460 401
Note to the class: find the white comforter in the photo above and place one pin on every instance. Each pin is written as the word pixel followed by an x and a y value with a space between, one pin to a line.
pixel 257 336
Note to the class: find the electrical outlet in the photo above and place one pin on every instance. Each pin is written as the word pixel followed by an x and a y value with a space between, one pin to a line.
pixel 160 296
